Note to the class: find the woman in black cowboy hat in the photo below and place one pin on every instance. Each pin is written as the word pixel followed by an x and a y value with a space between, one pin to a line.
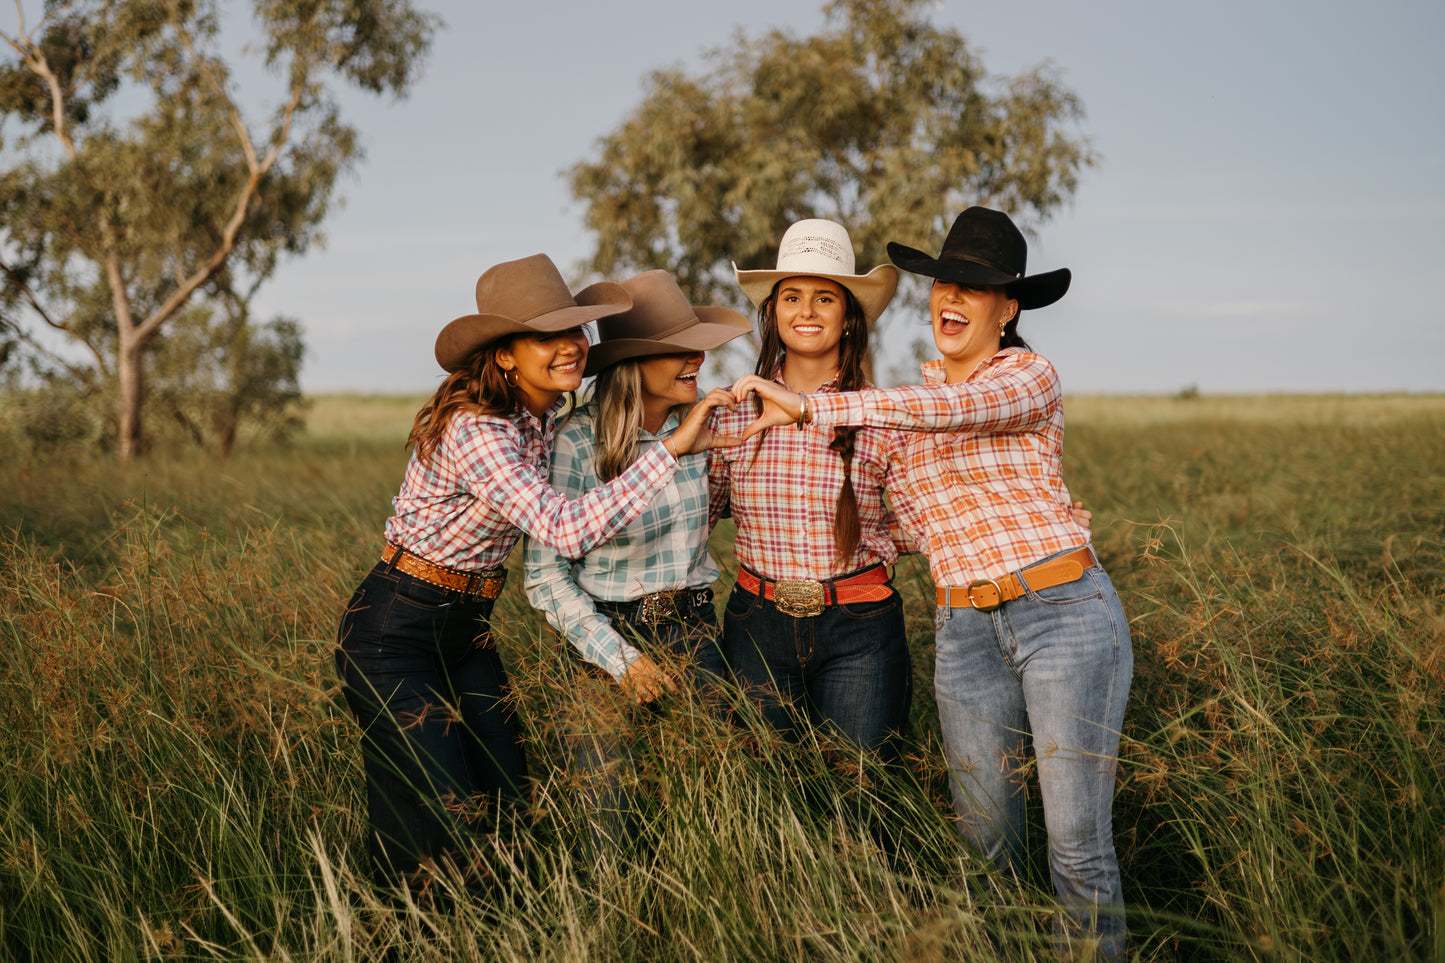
pixel 1031 638
pixel 416 658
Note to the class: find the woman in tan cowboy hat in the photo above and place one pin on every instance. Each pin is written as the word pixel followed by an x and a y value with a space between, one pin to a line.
pixel 813 629
pixel 419 668
pixel 637 609
pixel 1032 640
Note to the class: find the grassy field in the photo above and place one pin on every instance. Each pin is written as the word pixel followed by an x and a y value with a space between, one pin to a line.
pixel 180 780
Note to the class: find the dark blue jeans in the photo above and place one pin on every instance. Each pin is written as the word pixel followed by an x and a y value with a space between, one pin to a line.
pixel 601 744
pixel 845 671
pixel 443 758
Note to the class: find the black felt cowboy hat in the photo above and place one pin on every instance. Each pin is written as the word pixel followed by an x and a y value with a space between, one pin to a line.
pixel 526 296
pixel 985 248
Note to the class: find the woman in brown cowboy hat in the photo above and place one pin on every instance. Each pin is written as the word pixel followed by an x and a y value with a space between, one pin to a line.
pixel 637 609
pixel 814 629
pixel 1031 637
pixel 416 657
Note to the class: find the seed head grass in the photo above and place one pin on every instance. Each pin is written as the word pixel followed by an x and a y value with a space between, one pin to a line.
pixel 180 779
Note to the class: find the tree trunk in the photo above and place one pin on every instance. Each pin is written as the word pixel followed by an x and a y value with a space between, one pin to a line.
pixel 128 367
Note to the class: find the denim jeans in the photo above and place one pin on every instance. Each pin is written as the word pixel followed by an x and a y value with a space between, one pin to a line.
pixel 1054 666
pixel 846 671
pixel 443 758
pixel 600 745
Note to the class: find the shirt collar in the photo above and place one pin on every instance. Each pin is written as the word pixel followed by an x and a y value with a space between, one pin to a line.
pixel 934 373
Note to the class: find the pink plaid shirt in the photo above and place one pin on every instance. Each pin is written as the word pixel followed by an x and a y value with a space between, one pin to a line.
pixel 486 484
pixel 782 486
pixel 983 490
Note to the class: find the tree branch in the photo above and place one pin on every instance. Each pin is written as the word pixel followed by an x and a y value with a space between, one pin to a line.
pixel 258 170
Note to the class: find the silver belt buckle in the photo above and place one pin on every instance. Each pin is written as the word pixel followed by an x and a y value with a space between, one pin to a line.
pixel 656 607
pixel 800 598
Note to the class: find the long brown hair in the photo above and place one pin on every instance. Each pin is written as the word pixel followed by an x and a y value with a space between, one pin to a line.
pixel 479 387
pixel 852 350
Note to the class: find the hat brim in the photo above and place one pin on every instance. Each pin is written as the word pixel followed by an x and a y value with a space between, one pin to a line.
pixel 465 336
pixel 873 290
pixel 1031 291
pixel 716 327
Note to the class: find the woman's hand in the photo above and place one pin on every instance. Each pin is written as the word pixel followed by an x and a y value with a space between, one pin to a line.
pixel 1081 515
pixel 780 405
pixel 693 435
pixel 645 680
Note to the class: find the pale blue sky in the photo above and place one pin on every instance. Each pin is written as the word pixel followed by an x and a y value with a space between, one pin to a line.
pixel 1268 213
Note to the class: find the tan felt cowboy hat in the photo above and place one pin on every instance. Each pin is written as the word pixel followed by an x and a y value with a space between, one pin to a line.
pixel 985 248
pixel 661 321
pixel 822 249
pixel 526 296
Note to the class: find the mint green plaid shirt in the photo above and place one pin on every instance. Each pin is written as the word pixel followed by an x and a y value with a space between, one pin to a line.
pixel 663 548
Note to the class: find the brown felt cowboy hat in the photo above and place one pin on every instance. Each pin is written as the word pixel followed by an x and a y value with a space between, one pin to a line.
pixel 985 248
pixel 821 249
pixel 661 321
pixel 527 296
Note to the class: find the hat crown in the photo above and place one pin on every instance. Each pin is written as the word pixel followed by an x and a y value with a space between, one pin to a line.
pixel 816 246
pixel 987 237
pixel 659 308
pixel 523 289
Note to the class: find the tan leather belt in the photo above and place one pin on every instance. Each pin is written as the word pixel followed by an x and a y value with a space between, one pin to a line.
pixel 988 594
pixel 802 598
pixel 482 585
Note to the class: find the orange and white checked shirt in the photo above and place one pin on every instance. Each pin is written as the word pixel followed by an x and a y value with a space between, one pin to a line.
pixel 781 488
pixel 982 491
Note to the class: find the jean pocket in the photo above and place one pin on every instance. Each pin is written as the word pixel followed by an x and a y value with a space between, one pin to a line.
pixel 1081 589
pixel 870 610
pixel 742 604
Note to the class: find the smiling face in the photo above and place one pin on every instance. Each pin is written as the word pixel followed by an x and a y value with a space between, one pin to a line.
pixel 545 366
pixel 809 313
pixel 670 379
pixel 967 324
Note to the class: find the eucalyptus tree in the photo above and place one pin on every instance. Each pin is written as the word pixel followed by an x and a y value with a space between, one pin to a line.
pixel 881 121
pixel 136 185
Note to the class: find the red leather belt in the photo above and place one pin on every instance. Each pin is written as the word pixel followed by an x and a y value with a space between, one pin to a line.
pixel 987 594
pixel 483 585
pixel 803 598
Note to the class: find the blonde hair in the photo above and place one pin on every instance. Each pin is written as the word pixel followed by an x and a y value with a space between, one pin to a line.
pixel 618 424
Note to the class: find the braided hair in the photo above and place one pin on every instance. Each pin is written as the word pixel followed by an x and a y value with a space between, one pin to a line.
pixel 852 351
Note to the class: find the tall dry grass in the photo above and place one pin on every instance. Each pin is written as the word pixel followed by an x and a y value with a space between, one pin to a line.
pixel 180 780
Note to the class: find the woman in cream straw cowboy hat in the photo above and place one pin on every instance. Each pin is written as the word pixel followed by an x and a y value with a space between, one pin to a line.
pixel 637 609
pixel 1031 637
pixel 416 657
pixel 813 629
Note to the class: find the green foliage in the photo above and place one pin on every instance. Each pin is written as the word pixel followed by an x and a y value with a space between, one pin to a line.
pixel 135 185
pixel 881 121
pixel 178 778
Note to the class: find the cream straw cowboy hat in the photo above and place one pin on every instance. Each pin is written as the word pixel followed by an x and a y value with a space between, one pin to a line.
pixel 661 321
pixel 527 296
pixel 821 249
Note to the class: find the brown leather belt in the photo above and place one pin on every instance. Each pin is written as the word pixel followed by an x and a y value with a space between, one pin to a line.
pixel 802 598
pixel 482 585
pixel 987 594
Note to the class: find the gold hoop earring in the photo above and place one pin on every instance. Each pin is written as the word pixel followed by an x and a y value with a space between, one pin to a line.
pixel 509 375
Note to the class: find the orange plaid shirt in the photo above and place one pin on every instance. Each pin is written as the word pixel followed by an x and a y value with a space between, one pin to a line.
pixel 983 490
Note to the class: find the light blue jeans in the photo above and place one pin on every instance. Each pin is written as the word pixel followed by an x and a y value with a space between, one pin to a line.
pixel 1053 667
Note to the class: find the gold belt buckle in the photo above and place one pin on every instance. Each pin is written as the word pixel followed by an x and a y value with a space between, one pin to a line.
pixel 800 598
pixel 984 583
